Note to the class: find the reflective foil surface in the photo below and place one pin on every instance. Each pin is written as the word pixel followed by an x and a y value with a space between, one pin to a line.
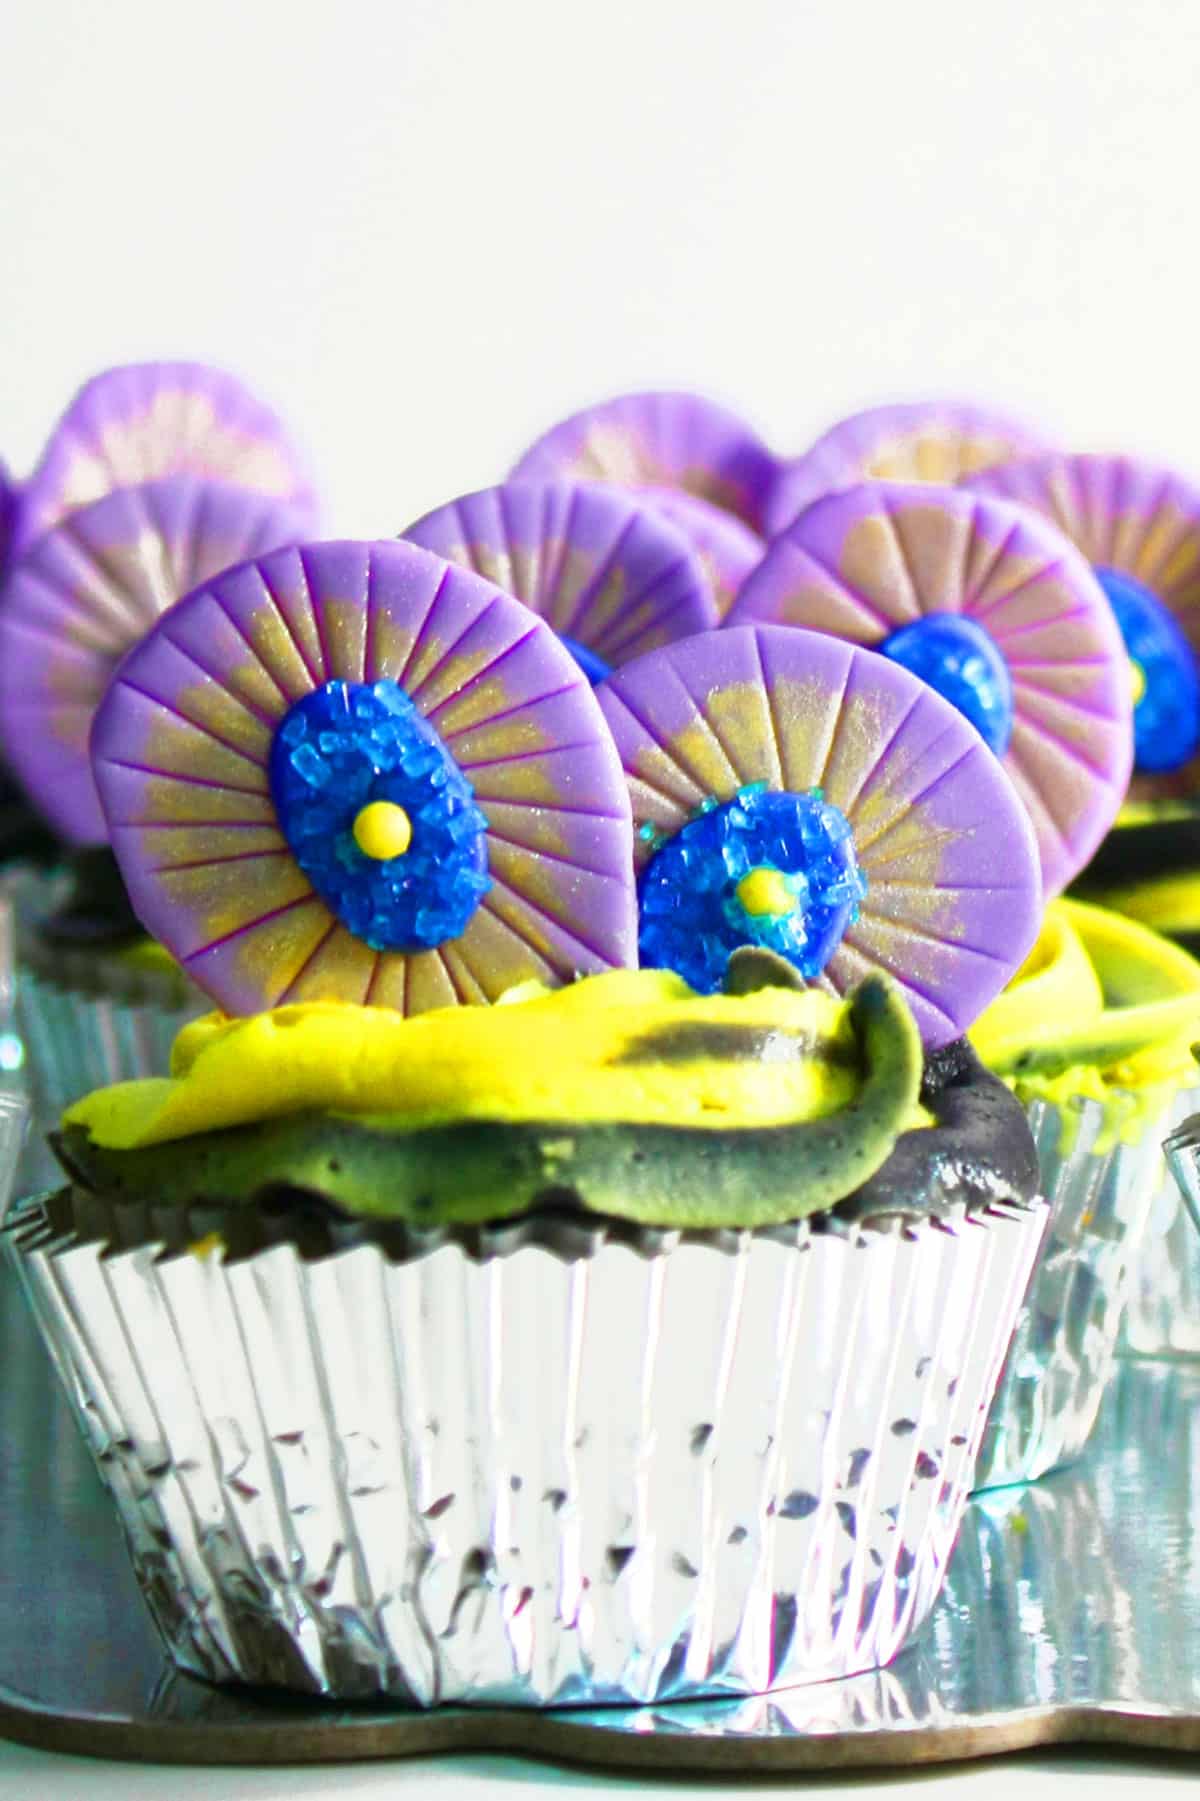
pixel 1062 1353
pixel 1163 1313
pixel 1071 1613
pixel 532 1478
pixel 73 1042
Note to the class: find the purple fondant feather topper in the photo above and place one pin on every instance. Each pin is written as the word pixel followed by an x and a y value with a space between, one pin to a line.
pixel 924 440
pixel 353 771
pixel 882 560
pixel 87 590
pixel 605 570
pixel 143 421
pixel 659 440
pixel 947 895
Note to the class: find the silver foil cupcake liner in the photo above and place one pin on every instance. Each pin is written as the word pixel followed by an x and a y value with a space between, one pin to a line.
pixel 1064 1347
pixel 14 1120
pixel 73 1041
pixel 1163 1314
pixel 535 1466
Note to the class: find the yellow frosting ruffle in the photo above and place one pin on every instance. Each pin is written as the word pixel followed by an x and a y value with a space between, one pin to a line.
pixel 578 1054
pixel 1103 1009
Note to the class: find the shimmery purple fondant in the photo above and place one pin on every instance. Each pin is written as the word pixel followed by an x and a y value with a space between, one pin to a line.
pixel 82 594
pixel 725 544
pixel 1139 519
pixel 603 568
pixel 8 516
pixel 663 440
pixel 932 440
pixel 860 563
pixel 182 742
pixel 143 421
pixel 953 897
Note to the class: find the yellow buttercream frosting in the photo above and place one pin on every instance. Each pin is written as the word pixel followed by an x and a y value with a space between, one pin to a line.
pixel 148 953
pixel 629 1045
pixel 1103 1009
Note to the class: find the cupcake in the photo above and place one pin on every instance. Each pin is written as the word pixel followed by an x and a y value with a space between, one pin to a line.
pixel 1095 1038
pixel 1139 527
pixel 472 1315
pixel 97 1000
pixel 996 609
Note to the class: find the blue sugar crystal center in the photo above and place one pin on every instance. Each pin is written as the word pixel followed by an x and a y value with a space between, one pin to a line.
pixel 340 748
pixel 1166 718
pixel 961 659
pixel 692 917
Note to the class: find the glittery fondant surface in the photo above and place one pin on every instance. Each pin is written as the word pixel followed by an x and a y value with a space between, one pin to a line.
pixel 661 440
pixel 603 568
pixel 952 897
pixel 181 751
pixel 86 591
pixel 864 562
pixel 1131 517
pixel 145 420
pixel 727 547
pixel 8 515
pixel 922 440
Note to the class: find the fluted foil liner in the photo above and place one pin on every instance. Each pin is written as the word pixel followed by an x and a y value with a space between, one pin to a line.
pixel 1163 1314
pixel 14 1117
pixel 1064 1347
pixel 502 1471
pixel 74 1041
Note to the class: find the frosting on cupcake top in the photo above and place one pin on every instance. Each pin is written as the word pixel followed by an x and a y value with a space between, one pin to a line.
pixel 626 1095
pixel 1103 1009
pixel 633 1045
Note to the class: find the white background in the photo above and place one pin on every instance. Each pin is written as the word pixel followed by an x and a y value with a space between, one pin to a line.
pixel 428 229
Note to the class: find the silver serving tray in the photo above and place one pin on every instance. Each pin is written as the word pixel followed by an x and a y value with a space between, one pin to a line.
pixel 1071 1615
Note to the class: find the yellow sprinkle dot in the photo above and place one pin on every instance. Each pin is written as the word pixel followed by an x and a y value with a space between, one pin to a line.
pixel 382 830
pixel 203 1248
pixel 764 891
pixel 1137 681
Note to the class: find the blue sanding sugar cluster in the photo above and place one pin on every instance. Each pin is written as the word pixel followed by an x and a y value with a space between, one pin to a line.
pixel 960 658
pixel 692 919
pixel 344 746
pixel 1166 718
